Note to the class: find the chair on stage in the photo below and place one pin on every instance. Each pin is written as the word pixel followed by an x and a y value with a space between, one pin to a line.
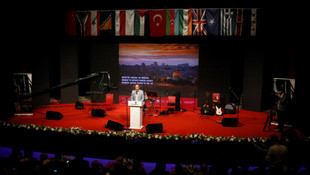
pixel 109 98
pixel 217 102
pixel 216 97
pixel 171 103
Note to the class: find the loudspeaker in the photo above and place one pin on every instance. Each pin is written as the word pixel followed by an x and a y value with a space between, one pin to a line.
pixel 230 108
pixel 230 122
pixel 53 115
pixel 154 128
pixel 98 113
pixel 114 126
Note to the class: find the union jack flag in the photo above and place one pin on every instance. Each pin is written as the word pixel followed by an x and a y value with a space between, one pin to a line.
pixel 199 22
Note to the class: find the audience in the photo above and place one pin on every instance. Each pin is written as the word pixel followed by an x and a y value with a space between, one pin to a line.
pixel 275 156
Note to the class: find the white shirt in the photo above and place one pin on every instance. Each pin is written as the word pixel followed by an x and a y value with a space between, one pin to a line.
pixel 136 99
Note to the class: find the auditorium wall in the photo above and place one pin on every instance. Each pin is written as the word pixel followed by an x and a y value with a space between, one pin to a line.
pixel 243 65
pixel 222 63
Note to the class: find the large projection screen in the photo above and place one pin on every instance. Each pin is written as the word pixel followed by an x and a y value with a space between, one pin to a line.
pixel 163 68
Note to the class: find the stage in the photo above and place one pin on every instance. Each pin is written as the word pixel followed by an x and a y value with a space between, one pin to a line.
pixel 182 123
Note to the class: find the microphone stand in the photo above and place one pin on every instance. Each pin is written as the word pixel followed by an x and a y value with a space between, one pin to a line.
pixel 195 96
pixel 238 99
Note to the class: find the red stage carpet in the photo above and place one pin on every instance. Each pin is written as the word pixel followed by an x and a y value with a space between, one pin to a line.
pixel 251 123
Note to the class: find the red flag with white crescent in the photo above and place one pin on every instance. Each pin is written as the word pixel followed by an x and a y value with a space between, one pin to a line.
pixel 157 20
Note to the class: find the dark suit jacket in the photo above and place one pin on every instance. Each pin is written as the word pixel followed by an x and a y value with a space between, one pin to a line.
pixel 283 103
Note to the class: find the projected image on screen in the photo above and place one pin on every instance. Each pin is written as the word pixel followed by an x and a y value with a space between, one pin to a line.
pixel 159 64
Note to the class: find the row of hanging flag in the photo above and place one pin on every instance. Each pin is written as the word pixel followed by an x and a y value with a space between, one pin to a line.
pixel 163 22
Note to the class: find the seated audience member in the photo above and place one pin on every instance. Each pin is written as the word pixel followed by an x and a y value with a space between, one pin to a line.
pixel 137 168
pixel 27 164
pixel 79 166
pixel 203 169
pixel 276 156
pixel 117 167
pixel 57 166
pixel 97 168
pixel 178 169
pixel 160 169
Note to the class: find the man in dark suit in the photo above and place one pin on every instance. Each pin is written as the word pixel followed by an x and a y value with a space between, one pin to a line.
pixel 282 108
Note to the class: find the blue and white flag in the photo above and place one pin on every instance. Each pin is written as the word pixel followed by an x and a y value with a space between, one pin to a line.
pixel 226 22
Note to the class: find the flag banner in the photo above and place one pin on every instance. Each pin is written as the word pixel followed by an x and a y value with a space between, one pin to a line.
pixel 199 22
pixel 171 22
pixel 106 22
pixel 157 22
pixel 70 23
pixel 176 22
pixel 213 21
pixel 227 22
pixel 119 18
pixel 95 23
pixel 239 22
pixel 141 23
pixel 124 22
pixel 164 22
pixel 83 23
pixel 130 24
pixel 253 21
pixel 185 22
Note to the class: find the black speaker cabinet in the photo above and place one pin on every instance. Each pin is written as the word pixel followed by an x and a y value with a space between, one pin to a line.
pixel 53 115
pixel 154 128
pixel 98 113
pixel 230 108
pixel 114 126
pixel 230 122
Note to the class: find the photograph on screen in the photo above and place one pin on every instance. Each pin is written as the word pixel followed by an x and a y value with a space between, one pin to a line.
pixel 159 67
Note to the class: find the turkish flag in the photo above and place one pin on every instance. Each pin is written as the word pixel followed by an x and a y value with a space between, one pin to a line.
pixel 157 22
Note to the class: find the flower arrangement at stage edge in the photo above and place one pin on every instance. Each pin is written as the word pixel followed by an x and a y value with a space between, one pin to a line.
pixel 133 135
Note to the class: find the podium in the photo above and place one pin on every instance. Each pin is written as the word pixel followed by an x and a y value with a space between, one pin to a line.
pixel 136 114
